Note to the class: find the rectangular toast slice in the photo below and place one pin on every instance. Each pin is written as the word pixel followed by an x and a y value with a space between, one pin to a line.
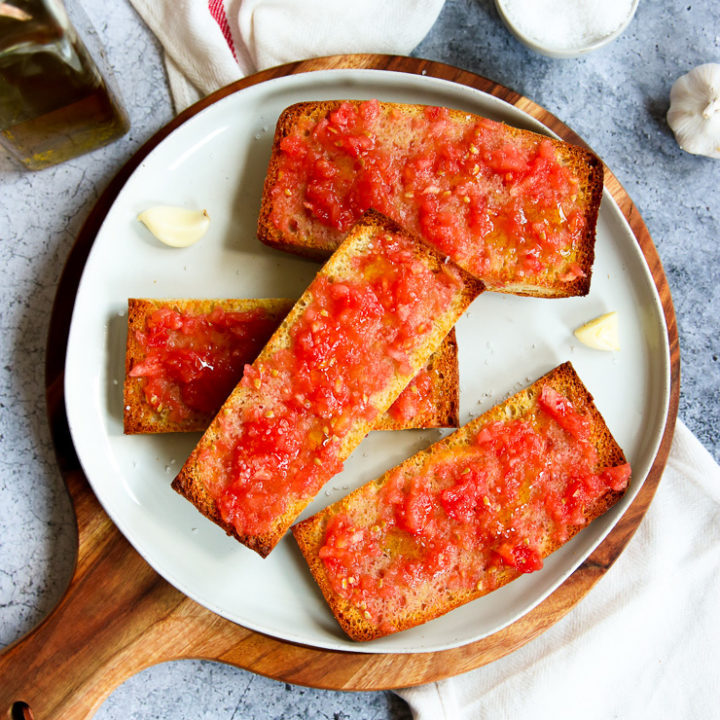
pixel 365 326
pixel 468 514
pixel 514 208
pixel 185 356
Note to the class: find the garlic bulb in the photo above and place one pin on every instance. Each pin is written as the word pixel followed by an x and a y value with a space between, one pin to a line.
pixel 175 226
pixel 694 113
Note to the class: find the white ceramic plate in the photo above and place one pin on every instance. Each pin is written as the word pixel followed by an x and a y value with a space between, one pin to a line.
pixel 217 160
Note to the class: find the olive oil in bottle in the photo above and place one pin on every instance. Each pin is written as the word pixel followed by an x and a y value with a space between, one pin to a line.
pixel 54 102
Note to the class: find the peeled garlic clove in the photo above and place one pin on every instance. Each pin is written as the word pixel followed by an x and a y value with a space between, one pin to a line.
pixel 694 114
pixel 175 226
pixel 600 333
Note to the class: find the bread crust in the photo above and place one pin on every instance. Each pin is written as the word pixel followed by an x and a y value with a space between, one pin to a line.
pixel 313 239
pixel 140 417
pixel 310 533
pixel 192 480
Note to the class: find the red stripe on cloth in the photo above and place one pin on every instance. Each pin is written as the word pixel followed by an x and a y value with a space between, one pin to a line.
pixel 217 10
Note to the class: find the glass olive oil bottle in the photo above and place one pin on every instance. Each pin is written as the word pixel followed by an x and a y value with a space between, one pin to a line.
pixel 54 102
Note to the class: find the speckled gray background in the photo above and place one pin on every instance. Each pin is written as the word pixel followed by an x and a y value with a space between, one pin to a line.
pixel 616 99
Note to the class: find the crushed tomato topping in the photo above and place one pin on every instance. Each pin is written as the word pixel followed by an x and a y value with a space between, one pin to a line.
pixel 345 350
pixel 494 503
pixel 192 361
pixel 502 208
pixel 415 400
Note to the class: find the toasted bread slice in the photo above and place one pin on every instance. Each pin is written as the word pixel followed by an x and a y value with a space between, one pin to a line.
pixel 516 209
pixel 365 326
pixel 470 513
pixel 432 399
pixel 185 356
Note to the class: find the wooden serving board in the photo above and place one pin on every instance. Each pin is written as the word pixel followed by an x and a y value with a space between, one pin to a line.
pixel 118 616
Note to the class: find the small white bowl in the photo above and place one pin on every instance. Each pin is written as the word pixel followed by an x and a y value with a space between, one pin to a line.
pixel 535 43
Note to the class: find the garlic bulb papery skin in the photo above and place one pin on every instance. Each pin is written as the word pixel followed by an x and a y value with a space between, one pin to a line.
pixel 694 113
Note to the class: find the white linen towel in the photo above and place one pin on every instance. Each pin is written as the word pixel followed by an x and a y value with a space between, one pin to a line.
pixel 645 642
pixel 210 43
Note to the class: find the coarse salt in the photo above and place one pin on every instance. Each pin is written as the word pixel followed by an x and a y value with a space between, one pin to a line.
pixel 567 24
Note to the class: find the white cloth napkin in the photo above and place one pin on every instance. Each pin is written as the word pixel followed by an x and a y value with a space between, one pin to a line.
pixel 210 43
pixel 644 643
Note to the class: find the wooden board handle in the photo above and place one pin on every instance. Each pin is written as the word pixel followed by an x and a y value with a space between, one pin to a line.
pixel 107 626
